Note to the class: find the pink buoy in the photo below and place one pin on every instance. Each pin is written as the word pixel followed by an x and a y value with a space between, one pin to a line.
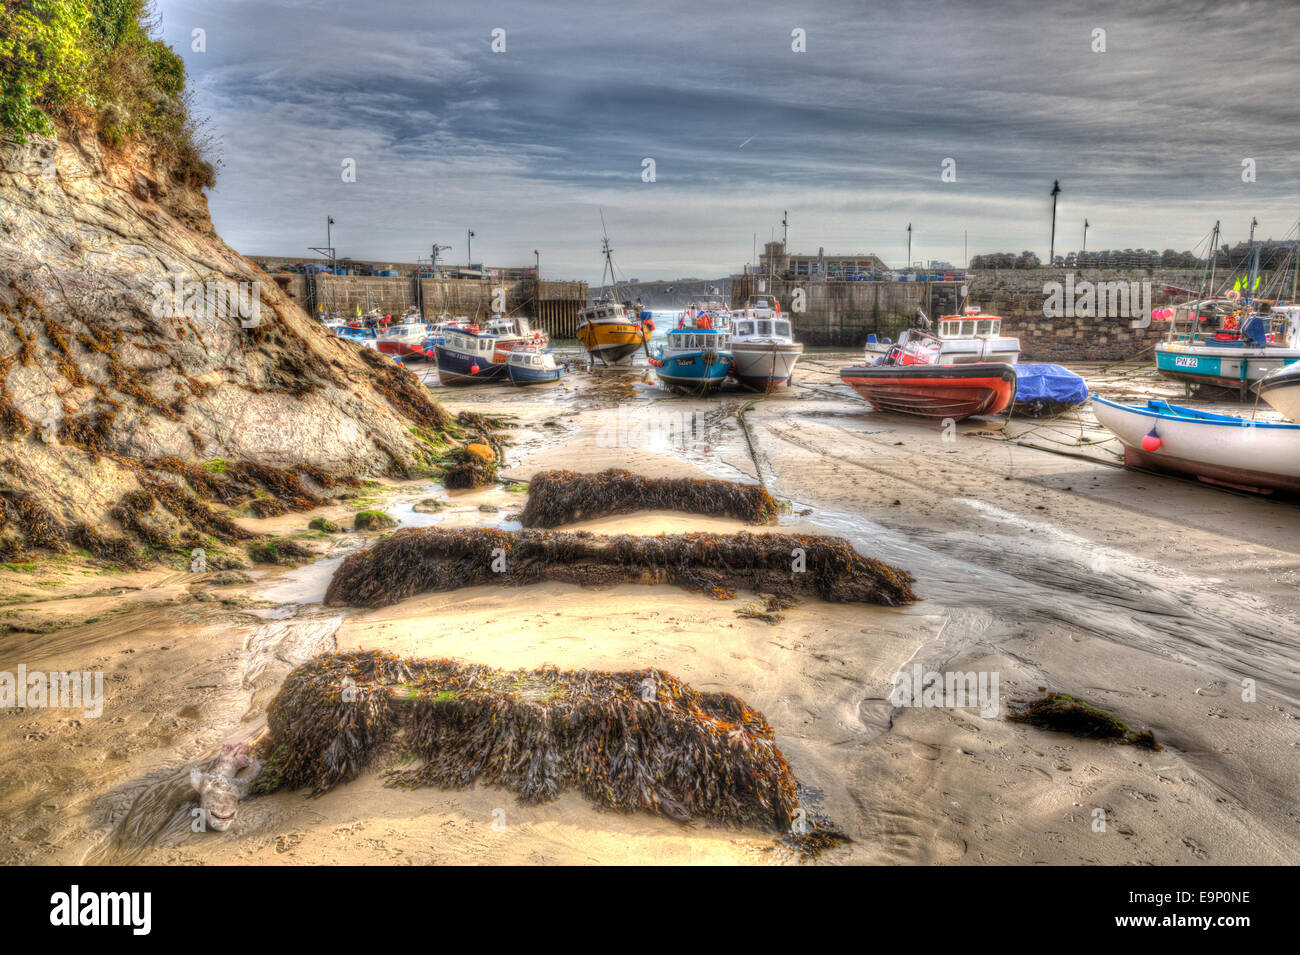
pixel 1151 441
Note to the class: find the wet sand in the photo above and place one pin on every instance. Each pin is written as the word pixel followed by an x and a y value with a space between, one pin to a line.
pixel 1151 597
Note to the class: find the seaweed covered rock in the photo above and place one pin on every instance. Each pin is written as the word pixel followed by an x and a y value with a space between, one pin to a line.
pixel 282 551
pixel 474 465
pixel 420 560
pixel 637 741
pixel 140 354
pixel 1069 714
pixel 562 497
pixel 372 521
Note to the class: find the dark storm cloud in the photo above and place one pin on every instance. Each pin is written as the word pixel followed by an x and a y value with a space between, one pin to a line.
pixel 526 146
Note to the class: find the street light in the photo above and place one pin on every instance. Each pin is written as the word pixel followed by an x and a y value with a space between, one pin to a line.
pixel 1085 239
pixel 1056 191
pixel 909 247
pixel 469 249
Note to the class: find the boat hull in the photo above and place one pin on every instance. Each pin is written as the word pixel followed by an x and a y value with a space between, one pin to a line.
pixel 531 376
pixel 1224 366
pixel 457 369
pixel 612 341
pixel 1281 390
pixel 763 367
pixel 690 372
pixel 1218 449
pixel 935 391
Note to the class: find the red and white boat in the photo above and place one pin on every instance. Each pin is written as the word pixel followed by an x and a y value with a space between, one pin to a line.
pixel 909 380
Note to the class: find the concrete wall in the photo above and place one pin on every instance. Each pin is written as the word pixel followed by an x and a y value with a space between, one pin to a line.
pixel 844 313
pixel 553 305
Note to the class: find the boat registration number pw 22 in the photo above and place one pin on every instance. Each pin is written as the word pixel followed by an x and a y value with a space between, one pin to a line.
pixel 1185 362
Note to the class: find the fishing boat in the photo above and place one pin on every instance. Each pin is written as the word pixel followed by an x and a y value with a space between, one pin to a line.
pixel 910 380
pixel 470 356
pixel 405 340
pixel 1281 389
pixel 438 331
pixel 611 328
pixel 696 356
pixel 1247 346
pixel 530 366
pixel 968 337
pixel 513 332
pixel 1260 456
pixel 762 346
pixel 1236 337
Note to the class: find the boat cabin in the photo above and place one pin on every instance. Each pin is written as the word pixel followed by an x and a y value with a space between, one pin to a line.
pixel 761 328
pixel 969 326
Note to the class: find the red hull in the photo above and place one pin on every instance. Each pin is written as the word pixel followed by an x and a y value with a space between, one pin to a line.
pixel 935 391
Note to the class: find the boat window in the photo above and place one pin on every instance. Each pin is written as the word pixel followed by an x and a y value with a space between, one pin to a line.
pixel 744 328
pixel 765 328
pixel 997 326
pixel 968 328
pixel 985 327
pixel 783 328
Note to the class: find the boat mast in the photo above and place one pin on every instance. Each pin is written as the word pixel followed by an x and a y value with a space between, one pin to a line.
pixel 1295 264
pixel 1254 262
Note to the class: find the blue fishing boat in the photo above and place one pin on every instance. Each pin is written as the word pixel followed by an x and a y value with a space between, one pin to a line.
pixel 528 366
pixel 470 356
pixel 696 357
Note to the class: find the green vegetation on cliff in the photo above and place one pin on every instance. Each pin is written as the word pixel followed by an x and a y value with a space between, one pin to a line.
pixel 96 61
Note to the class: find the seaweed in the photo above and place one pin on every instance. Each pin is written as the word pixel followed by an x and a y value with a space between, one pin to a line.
pixel 1069 714
pixel 634 741
pixel 40 528
pixel 562 497
pixel 474 465
pixel 420 560
pixel 280 551
pixel 112 549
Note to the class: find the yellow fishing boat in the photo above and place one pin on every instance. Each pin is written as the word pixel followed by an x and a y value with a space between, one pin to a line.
pixel 609 328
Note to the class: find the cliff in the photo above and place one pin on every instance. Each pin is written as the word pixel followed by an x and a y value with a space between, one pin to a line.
pixel 152 379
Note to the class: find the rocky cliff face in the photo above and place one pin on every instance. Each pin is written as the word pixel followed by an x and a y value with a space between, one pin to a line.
pixel 151 377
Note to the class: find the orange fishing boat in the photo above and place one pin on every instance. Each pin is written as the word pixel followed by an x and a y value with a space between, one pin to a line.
pixel 908 381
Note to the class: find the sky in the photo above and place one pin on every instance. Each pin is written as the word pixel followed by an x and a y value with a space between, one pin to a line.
pixel 529 144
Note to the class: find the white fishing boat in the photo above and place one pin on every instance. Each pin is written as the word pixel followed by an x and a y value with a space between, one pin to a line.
pixel 1261 456
pixel 763 348
pixel 964 339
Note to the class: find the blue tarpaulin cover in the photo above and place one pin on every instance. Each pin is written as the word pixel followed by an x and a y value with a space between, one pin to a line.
pixel 1049 383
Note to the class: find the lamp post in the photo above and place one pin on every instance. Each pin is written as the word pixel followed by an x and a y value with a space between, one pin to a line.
pixel 909 247
pixel 537 264
pixel 1051 254
pixel 469 249
pixel 1085 240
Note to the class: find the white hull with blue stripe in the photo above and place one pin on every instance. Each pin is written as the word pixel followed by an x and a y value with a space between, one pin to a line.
pixel 1218 449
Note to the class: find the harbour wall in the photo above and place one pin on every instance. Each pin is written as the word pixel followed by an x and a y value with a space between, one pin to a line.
pixel 842 314
pixel 552 305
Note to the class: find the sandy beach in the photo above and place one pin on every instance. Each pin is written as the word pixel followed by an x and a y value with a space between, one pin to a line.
pixel 1151 597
